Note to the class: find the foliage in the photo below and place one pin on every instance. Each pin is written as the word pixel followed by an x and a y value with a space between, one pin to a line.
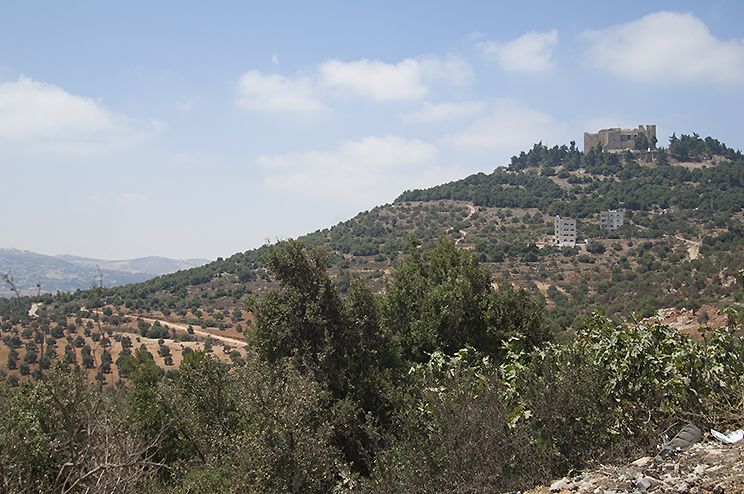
pixel 340 344
pixel 62 435
pixel 444 300
pixel 304 320
pixel 267 431
pixel 455 434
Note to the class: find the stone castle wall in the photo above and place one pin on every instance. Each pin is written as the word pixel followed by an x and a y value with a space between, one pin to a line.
pixel 617 139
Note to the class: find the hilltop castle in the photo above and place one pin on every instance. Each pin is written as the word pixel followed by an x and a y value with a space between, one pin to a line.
pixel 618 139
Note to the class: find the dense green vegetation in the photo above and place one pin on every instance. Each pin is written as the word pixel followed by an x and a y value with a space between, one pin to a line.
pixel 442 383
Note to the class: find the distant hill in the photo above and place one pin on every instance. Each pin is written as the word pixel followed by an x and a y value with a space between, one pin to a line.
pixel 150 265
pixel 67 273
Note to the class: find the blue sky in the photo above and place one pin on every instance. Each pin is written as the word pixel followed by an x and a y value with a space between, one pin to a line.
pixel 185 129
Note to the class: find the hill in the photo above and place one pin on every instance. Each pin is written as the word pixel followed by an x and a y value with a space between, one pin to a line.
pixel 680 247
pixel 66 273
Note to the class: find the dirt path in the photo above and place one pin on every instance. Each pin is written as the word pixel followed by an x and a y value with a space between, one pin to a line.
pixel 463 232
pixel 185 327
pixel 543 287
pixel 693 247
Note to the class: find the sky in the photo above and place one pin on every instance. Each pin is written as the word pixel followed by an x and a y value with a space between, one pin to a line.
pixel 202 129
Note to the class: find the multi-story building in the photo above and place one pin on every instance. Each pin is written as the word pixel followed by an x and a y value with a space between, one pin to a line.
pixel 612 219
pixel 565 231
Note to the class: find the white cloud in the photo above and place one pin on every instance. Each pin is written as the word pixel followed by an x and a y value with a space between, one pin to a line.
pixel 454 69
pixel 381 81
pixel 370 170
pixel 443 111
pixel 375 80
pixel 666 46
pixel 275 92
pixel 509 126
pixel 37 117
pixel 531 52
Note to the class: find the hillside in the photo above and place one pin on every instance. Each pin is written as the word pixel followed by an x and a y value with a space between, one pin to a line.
pixel 680 247
pixel 679 250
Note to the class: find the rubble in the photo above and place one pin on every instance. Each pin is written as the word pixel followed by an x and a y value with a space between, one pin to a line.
pixel 686 321
pixel 705 467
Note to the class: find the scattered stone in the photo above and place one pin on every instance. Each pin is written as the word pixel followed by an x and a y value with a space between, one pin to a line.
pixel 643 485
pixel 642 462
pixel 703 468
pixel 560 485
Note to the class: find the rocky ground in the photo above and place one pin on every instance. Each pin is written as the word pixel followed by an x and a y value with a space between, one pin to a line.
pixel 706 467
pixel 685 321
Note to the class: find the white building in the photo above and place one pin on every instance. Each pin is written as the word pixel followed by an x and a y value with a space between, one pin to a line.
pixel 565 231
pixel 612 219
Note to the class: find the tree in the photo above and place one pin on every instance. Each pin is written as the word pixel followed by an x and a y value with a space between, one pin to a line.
pixel 143 327
pixel 304 320
pixel 31 357
pixel 340 345
pixel 126 342
pixel 444 300
pixel 87 358
pixel 595 247
pixel 58 331
pixel 106 361
pixel 70 356
pixel 149 408
pixel 661 158
pixel 641 142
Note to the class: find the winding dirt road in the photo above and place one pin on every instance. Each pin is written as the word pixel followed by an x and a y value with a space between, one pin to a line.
pixel 185 327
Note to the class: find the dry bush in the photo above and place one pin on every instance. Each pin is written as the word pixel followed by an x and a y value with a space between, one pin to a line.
pixel 61 434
